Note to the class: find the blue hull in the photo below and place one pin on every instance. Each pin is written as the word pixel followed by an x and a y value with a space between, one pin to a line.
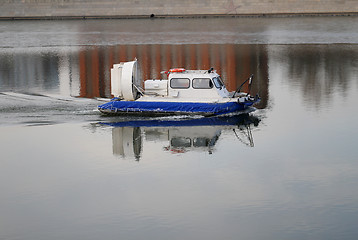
pixel 171 108
pixel 236 120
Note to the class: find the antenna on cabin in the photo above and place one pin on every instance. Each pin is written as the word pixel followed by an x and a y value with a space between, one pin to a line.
pixel 210 70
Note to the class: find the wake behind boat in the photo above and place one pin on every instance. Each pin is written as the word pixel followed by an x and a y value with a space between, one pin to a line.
pixel 185 92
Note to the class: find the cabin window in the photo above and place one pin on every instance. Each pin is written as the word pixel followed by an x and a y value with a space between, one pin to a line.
pixel 202 83
pixel 201 142
pixel 218 83
pixel 180 142
pixel 180 83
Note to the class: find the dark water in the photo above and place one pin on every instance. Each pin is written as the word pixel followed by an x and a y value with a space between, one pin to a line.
pixel 287 170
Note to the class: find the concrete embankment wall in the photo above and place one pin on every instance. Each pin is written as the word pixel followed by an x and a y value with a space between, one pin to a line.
pixel 13 9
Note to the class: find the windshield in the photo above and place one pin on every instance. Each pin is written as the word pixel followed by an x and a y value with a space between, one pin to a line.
pixel 218 83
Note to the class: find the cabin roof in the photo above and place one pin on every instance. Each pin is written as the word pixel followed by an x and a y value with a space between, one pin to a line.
pixel 194 74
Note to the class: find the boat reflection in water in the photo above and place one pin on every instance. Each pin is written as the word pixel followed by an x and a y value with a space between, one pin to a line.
pixel 179 135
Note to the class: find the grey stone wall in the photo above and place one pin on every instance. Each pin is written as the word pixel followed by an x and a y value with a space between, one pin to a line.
pixel 144 8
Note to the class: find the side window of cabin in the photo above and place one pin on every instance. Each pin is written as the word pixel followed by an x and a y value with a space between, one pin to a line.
pixel 180 142
pixel 218 83
pixel 180 83
pixel 202 83
pixel 201 142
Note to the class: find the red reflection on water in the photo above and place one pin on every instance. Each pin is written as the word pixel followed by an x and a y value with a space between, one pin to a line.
pixel 233 62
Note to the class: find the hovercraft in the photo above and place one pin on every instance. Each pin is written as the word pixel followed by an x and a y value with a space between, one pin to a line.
pixel 184 92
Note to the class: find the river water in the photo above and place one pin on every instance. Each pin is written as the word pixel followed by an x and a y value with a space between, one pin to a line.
pixel 287 170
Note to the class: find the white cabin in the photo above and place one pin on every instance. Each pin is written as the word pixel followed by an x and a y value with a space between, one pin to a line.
pixel 188 86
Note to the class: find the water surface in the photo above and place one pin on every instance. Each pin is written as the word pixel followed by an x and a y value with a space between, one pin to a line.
pixel 287 170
